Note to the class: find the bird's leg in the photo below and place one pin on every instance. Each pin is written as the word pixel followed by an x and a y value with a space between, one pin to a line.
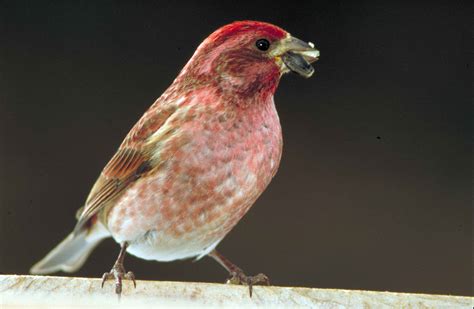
pixel 118 271
pixel 237 275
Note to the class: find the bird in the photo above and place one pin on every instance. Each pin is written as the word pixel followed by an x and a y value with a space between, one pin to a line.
pixel 196 161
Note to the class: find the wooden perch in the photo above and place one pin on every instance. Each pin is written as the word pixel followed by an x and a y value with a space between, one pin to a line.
pixel 45 291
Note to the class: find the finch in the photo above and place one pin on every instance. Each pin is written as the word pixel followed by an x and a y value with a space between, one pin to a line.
pixel 196 161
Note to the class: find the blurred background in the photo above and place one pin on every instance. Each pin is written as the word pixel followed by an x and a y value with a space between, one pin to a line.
pixel 374 188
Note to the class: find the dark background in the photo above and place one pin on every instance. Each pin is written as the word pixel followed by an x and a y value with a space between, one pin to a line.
pixel 374 189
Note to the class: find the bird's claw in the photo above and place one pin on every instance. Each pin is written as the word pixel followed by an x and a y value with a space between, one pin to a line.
pixel 240 278
pixel 118 274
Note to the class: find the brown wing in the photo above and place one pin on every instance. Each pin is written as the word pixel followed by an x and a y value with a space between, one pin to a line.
pixel 129 163
pixel 126 166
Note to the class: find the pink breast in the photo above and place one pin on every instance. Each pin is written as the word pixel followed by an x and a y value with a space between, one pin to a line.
pixel 222 163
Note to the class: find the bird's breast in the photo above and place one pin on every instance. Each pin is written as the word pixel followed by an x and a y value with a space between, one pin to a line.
pixel 212 168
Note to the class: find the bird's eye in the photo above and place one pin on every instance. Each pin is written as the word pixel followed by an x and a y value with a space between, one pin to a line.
pixel 262 44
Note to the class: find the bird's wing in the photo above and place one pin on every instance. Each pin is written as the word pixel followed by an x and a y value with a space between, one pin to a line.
pixel 132 161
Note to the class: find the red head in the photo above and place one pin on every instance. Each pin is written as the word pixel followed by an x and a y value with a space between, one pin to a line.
pixel 244 57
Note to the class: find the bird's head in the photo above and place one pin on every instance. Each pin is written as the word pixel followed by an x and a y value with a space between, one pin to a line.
pixel 247 57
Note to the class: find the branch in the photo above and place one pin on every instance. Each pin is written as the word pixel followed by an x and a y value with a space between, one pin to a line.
pixel 48 291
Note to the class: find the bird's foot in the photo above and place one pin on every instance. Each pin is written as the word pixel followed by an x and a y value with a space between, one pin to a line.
pixel 239 277
pixel 118 274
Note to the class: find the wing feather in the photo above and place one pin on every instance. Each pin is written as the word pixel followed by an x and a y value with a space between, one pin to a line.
pixel 131 161
pixel 125 167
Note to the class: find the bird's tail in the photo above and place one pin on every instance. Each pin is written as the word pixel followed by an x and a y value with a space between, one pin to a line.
pixel 70 254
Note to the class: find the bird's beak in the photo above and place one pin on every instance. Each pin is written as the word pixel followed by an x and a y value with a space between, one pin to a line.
pixel 295 55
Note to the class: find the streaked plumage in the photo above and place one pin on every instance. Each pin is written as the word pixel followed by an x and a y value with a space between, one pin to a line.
pixel 198 159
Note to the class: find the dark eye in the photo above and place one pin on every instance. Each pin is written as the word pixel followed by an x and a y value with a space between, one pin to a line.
pixel 262 44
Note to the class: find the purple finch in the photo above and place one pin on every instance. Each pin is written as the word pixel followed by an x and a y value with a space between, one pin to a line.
pixel 197 160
